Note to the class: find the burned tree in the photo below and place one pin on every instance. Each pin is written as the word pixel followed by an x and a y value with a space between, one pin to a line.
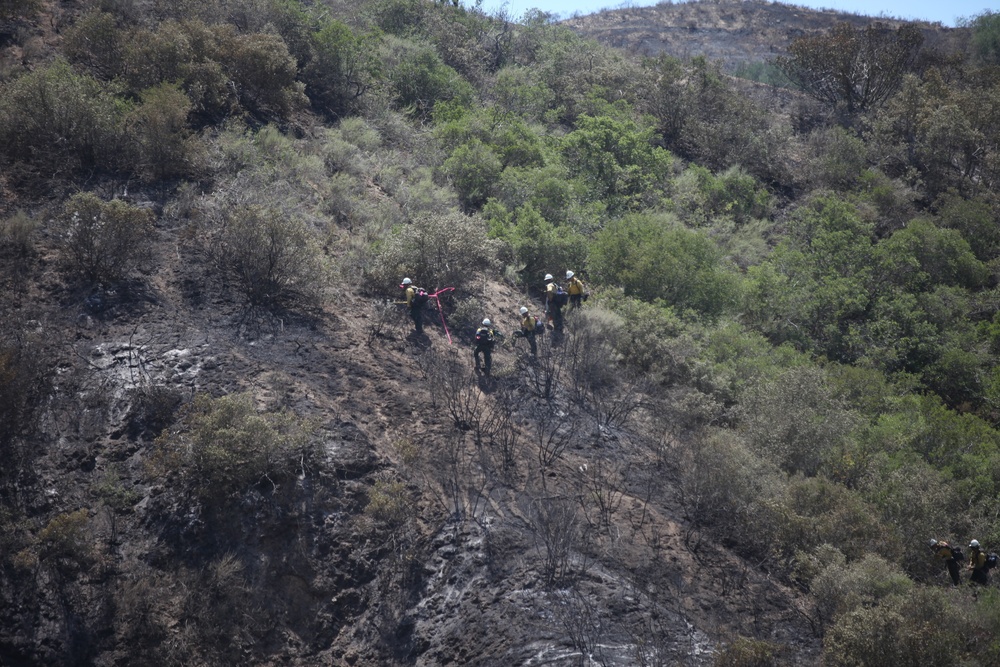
pixel 850 69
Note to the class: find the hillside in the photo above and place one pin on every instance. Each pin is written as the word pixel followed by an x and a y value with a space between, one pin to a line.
pixel 225 443
pixel 735 33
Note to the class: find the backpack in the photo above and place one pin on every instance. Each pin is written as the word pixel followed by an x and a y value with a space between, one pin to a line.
pixel 420 297
pixel 991 561
pixel 539 326
pixel 561 297
pixel 484 335
pixel 956 553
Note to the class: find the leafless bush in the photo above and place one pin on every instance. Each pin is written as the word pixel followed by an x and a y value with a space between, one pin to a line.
pixel 598 379
pixel 650 642
pixel 385 316
pixel 23 382
pixel 504 442
pixel 222 619
pixel 464 484
pixel 455 384
pixel 553 431
pixel 602 485
pixel 139 599
pixel 581 620
pixel 541 374
pixel 555 525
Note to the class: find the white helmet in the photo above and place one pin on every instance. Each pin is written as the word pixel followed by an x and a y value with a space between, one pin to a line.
pixel 569 274
pixel 486 322
pixel 548 276
pixel 524 311
pixel 407 281
pixel 974 544
pixel 933 542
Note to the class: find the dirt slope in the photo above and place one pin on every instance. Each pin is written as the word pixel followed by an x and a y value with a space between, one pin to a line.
pixel 475 571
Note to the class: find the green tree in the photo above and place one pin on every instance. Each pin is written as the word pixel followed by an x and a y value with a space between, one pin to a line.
pixel 615 157
pixel 162 142
pixel 473 168
pixel 419 78
pixel 986 37
pixel 652 257
pixel 923 255
pixel 819 280
pixel 340 69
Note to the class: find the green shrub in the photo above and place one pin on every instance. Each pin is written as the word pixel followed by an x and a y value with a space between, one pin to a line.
pixel 473 168
pixel 270 258
pixel 975 220
pixel 98 42
pixel 837 159
pixel 419 78
pixel 747 652
pixel 162 142
pixel 824 512
pixel 450 250
pixel 225 447
pixel 263 72
pixel 104 242
pixel 16 232
pixel 842 588
pixel 389 502
pixel 340 68
pixel 734 194
pixel 910 629
pixel 726 486
pixel 19 8
pixel 66 537
pixel 61 122
pixel 537 246
pixel 986 37
pixel 617 160
pixel 795 421
pixel 652 257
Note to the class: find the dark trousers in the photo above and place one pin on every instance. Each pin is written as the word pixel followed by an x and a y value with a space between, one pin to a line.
pixel 557 317
pixel 530 337
pixel 417 315
pixel 575 300
pixel 980 576
pixel 953 571
pixel 487 352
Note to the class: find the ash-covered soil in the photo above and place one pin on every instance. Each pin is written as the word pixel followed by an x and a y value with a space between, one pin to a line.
pixel 522 527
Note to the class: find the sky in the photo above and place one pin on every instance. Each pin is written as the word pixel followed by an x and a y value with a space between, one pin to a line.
pixel 945 12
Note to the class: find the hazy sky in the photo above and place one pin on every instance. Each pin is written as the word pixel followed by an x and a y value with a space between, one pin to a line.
pixel 943 11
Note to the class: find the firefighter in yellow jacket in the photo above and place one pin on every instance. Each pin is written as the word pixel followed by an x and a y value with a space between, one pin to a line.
pixel 977 563
pixel 942 551
pixel 574 286
pixel 529 329
pixel 555 298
